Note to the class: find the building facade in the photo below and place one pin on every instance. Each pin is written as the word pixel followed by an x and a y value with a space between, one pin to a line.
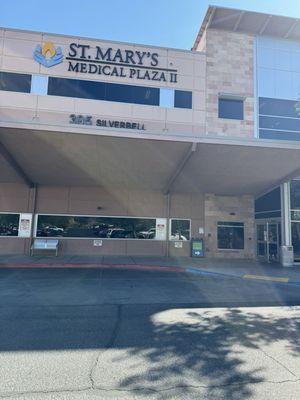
pixel 127 149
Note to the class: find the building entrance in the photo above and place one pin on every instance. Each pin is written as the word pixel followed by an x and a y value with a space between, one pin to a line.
pixel 268 236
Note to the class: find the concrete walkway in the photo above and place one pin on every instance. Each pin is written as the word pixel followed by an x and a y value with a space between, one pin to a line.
pixel 246 269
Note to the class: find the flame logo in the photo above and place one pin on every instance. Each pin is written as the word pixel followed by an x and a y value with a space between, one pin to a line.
pixel 48 46
pixel 48 55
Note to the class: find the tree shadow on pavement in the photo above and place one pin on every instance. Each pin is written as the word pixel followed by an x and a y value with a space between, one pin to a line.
pixel 223 353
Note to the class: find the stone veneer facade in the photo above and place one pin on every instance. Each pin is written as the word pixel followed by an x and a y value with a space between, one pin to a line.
pixel 228 208
pixel 229 70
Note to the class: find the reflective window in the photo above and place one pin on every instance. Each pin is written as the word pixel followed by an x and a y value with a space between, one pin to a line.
pixel 183 99
pixel 231 235
pixel 15 82
pixel 286 124
pixel 278 135
pixel 103 91
pixel 277 107
pixel 268 205
pixel 166 97
pixel 9 224
pixel 231 108
pixel 180 229
pixel 96 227
pixel 39 85
pixel 145 95
pixel 296 240
pixel 295 194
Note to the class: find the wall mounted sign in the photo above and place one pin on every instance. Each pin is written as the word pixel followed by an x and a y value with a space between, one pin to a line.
pixel 178 245
pixel 161 229
pixel 97 243
pixel 122 63
pixel 25 225
pixel 107 123
pixel 48 55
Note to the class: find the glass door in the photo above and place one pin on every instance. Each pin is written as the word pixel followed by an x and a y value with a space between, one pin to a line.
pixel 268 241
pixel 261 240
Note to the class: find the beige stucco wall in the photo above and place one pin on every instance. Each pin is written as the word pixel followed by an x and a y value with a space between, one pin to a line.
pixel 229 69
pixel 221 208
pixel 16 55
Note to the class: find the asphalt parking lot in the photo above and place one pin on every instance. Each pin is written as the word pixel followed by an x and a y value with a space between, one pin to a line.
pixel 130 334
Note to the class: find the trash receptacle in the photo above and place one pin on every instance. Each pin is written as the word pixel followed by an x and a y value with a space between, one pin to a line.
pixel 197 247
pixel 287 256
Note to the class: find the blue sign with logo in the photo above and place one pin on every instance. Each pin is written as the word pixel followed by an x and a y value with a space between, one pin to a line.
pixel 48 55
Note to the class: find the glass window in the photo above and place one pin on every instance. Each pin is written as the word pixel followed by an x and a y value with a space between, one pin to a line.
pixel 166 97
pixel 277 107
pixel 296 239
pixel 15 82
pixel 270 201
pixel 295 195
pixel 95 227
pixel 180 229
pixel 278 135
pixel 231 235
pixel 286 124
pixel 120 93
pixel 39 85
pixel 231 108
pixel 183 99
pixel 9 224
pixel 103 91
pixel 91 90
pixel 146 95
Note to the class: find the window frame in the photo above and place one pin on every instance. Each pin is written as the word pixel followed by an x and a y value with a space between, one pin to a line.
pixel 170 229
pixel 231 97
pixel 230 224
pixel 11 213
pixel 35 226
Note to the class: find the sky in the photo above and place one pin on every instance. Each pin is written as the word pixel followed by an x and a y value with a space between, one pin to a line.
pixel 169 23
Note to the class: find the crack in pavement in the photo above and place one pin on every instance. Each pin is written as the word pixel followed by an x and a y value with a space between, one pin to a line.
pixel 278 362
pixel 109 345
pixel 111 389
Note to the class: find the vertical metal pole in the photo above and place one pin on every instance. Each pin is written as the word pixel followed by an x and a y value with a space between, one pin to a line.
pixel 168 226
pixel 33 211
pixel 286 236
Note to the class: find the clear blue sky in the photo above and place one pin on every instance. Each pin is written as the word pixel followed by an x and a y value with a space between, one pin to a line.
pixel 170 23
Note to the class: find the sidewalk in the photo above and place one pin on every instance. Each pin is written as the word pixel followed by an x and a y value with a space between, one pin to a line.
pixel 246 269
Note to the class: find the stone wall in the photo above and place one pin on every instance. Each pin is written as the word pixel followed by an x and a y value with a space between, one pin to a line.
pixel 228 208
pixel 229 70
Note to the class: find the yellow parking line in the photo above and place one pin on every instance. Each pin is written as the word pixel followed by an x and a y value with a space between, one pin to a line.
pixel 266 278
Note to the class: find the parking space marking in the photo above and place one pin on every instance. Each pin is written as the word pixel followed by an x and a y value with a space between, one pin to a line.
pixel 266 278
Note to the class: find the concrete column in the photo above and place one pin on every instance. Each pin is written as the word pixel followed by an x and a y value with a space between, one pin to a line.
pixel 286 237
pixel 287 256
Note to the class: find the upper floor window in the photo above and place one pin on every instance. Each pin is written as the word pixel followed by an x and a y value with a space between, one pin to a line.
pixel 13 82
pixel 231 107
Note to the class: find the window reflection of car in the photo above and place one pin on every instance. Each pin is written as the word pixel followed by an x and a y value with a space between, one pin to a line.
pixel 52 230
pixel 8 230
pixel 100 231
pixel 150 234
pixel 120 233
pixel 177 236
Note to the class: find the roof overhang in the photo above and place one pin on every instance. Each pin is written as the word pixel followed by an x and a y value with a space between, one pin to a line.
pixel 202 165
pixel 234 20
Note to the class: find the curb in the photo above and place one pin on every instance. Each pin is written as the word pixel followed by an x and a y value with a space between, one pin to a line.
pixel 167 268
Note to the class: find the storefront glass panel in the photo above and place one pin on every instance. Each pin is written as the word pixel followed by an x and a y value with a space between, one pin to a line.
pixel 91 227
pixel 180 229
pixel 9 224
